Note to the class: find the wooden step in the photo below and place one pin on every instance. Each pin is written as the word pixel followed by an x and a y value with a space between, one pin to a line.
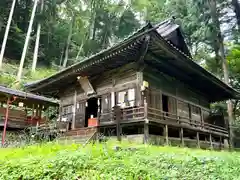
pixel 74 139
pixel 78 136
pixel 81 131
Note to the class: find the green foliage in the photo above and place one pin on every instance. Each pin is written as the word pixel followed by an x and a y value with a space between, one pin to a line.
pixel 100 161
pixel 8 75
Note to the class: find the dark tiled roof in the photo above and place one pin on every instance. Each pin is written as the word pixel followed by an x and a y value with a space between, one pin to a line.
pixel 166 42
pixel 4 91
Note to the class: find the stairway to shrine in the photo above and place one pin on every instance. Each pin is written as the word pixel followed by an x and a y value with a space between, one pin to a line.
pixel 78 136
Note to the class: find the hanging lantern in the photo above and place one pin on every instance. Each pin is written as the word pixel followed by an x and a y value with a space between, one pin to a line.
pixel 20 104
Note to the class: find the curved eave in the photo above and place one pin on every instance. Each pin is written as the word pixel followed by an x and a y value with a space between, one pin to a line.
pixel 101 56
pixel 101 62
pixel 129 47
pixel 189 66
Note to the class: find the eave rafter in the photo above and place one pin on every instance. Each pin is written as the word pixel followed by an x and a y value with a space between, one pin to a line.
pixel 143 52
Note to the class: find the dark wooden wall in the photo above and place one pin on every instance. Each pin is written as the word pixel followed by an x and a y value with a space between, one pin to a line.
pixel 173 87
pixel 183 100
pixel 106 85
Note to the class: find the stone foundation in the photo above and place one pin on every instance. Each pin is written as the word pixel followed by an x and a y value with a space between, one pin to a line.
pixel 160 140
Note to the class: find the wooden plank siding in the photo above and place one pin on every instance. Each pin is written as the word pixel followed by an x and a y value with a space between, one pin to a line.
pixel 184 103
pixel 174 88
pixel 106 86
pixel 186 108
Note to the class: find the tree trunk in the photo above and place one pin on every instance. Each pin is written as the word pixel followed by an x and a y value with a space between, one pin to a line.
pixel 92 27
pixel 68 42
pixel 19 75
pixel 61 58
pixel 236 7
pixel 35 55
pixel 6 33
pixel 79 51
pixel 219 40
pixel 235 107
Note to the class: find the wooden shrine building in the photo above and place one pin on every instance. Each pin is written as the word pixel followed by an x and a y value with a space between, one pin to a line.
pixel 145 86
pixel 20 110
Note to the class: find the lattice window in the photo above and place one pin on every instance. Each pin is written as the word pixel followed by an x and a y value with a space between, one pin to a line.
pixel 196 113
pixel 183 109
pixel 205 115
pixel 106 103
pixel 67 109
pixel 126 98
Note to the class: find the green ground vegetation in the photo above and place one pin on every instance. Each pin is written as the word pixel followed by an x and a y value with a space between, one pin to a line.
pixel 103 161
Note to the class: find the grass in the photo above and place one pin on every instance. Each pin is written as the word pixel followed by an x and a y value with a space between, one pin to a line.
pixel 9 73
pixel 101 161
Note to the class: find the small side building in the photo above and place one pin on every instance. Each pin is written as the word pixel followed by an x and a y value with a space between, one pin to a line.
pixel 146 87
pixel 20 110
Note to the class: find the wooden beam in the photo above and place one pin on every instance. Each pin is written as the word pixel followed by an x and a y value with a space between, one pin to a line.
pixel 143 51
pixel 86 85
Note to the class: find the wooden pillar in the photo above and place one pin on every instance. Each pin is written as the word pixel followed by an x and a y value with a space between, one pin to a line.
pixel 220 145
pixel 117 112
pixel 181 136
pixel 198 142
pixel 145 108
pixel 60 112
pixel 113 99
pixel 5 122
pixel 210 139
pixel 74 110
pixel 48 112
pixel 98 111
pixel 177 111
pixel 138 89
pixel 190 113
pixel 40 113
pixel 202 120
pixel 146 133
pixel 146 123
pixel 36 114
pixel 33 113
pixel 166 134
pixel 98 119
